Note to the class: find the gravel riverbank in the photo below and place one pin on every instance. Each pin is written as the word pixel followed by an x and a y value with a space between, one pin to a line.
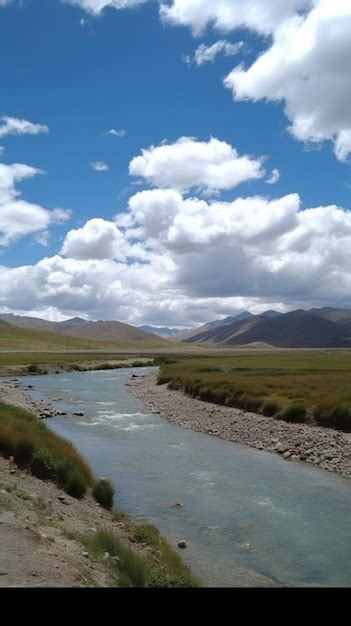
pixel 329 449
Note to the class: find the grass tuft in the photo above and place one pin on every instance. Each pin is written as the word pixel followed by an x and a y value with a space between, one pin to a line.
pixel 103 493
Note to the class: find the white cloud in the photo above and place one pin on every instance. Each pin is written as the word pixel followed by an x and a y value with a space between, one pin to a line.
pixel 227 15
pixel 95 7
pixel 15 126
pixel 3 3
pixel 308 66
pixel 98 239
pixel 198 260
pixel 117 133
pixel 207 54
pixel 100 166
pixel 274 177
pixel 19 218
pixel 188 163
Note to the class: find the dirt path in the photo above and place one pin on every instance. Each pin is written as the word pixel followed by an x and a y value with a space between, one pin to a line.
pixel 327 448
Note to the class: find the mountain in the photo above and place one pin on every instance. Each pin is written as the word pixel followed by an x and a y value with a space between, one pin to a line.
pixel 270 313
pixel 297 329
pixel 116 332
pixel 112 332
pixel 340 316
pixel 34 340
pixel 164 331
pixel 192 332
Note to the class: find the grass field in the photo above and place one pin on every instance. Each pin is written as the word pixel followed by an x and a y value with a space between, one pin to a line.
pixel 320 381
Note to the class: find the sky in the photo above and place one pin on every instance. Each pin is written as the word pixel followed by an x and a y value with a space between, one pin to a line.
pixel 173 162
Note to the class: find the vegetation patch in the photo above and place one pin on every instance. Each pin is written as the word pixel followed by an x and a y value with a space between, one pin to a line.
pixel 338 416
pixel 162 567
pixel 290 385
pixel 103 493
pixel 47 455
pixel 295 413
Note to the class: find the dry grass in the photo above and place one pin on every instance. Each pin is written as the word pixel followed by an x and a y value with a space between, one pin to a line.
pixel 250 381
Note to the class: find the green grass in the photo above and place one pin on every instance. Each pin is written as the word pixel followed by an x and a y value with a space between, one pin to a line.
pixel 103 493
pixel 166 567
pixel 252 381
pixel 47 455
pixel 161 568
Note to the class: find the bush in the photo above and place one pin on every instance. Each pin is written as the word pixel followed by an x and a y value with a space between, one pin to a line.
pixel 338 416
pixel 33 369
pixel 270 408
pixel 295 413
pixel 23 452
pixel 76 485
pixel 43 464
pixel 103 493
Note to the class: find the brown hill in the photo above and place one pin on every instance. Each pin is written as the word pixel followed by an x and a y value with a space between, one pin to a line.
pixel 112 332
pixel 340 316
pixel 297 329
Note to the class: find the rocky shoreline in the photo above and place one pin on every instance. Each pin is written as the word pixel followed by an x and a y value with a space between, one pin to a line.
pixel 14 392
pixel 324 447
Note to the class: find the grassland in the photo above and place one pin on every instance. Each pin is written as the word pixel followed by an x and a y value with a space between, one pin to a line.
pixel 320 381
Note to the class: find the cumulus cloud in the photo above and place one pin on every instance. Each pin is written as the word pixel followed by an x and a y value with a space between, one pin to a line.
pixel 207 54
pixel 95 7
pixel 211 166
pixel 308 66
pixel 117 133
pixel 15 126
pixel 198 260
pixel 97 239
pixel 100 166
pixel 19 218
pixel 274 177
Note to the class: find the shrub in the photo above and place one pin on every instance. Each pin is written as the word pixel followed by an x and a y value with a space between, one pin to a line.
pixel 76 485
pixel 270 408
pixel 34 369
pixel 23 452
pixel 295 412
pixel 43 464
pixel 338 416
pixel 103 493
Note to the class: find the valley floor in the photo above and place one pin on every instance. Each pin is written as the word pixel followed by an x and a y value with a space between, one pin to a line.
pixel 327 448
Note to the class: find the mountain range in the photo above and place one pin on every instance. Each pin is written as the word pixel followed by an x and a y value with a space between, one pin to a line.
pixel 317 328
pixel 326 327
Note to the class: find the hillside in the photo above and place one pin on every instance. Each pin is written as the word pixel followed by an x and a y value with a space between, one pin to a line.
pixel 115 332
pixel 85 333
pixel 15 338
pixel 297 329
pixel 340 316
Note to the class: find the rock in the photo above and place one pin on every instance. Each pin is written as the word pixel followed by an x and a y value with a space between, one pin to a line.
pixel 86 554
pixel 60 413
pixel 62 499
pixel 176 504
pixel 106 556
pixel 12 471
pixel 79 414
pixel 287 455
pixel 182 544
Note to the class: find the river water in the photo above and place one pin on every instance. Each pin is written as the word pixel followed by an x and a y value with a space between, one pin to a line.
pixel 249 518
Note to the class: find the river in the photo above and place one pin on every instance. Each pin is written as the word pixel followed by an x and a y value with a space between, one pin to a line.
pixel 249 518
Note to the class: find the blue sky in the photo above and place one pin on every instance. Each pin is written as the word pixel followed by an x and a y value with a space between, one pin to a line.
pixel 124 69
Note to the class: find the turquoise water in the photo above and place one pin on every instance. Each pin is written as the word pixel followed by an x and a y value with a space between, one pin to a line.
pixel 249 518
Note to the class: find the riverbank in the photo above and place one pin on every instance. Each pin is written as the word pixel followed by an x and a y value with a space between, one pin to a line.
pixel 329 449
pixel 50 539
